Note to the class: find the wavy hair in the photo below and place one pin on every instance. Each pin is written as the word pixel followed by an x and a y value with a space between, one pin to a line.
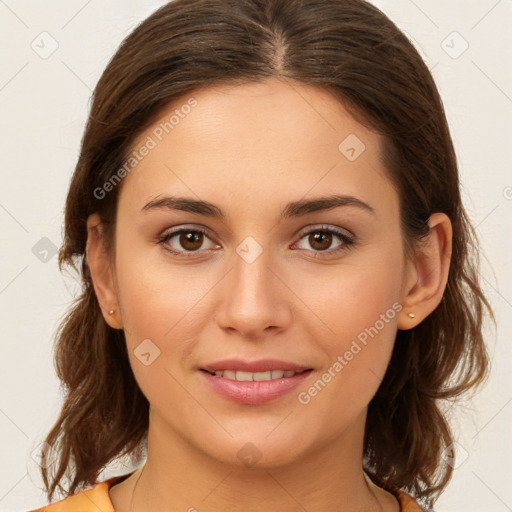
pixel 351 49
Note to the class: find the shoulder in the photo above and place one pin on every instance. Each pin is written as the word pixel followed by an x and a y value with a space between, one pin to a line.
pixel 407 502
pixel 96 499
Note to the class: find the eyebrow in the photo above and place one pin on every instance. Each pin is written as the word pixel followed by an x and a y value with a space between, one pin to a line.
pixel 291 210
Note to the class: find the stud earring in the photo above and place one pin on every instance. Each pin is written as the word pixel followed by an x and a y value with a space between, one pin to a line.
pixel 411 315
pixel 111 312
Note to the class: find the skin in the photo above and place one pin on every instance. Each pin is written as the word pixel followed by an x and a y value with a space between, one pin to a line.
pixel 251 149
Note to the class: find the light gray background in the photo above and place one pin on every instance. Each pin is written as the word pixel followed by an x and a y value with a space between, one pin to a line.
pixel 43 108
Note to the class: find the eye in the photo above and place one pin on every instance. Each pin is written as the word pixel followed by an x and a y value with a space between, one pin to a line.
pixel 321 239
pixel 190 240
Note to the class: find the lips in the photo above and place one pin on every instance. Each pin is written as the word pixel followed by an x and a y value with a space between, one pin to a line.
pixel 254 382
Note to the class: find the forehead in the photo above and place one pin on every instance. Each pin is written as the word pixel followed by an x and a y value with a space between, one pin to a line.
pixel 293 110
pixel 257 140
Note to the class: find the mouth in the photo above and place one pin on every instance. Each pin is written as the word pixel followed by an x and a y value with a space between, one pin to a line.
pixel 256 387
pixel 244 376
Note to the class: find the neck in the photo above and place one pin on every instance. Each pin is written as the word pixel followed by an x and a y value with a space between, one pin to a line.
pixel 177 476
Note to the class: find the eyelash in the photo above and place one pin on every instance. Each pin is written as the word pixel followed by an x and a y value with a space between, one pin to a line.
pixel 347 241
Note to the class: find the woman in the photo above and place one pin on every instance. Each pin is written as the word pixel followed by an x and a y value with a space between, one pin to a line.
pixel 279 274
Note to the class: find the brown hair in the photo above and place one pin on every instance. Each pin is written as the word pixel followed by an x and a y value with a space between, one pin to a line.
pixel 354 51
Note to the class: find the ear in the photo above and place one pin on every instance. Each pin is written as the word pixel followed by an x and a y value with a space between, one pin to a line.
pixel 102 273
pixel 427 273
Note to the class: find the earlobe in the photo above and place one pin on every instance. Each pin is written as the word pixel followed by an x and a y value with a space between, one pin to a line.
pixel 428 273
pixel 102 273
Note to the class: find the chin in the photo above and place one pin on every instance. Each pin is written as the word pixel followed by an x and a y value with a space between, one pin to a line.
pixel 258 449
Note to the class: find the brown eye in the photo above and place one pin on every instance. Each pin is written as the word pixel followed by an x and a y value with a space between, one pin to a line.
pixel 186 242
pixel 320 240
pixel 191 240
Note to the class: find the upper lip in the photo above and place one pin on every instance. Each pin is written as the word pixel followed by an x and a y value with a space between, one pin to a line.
pixel 263 365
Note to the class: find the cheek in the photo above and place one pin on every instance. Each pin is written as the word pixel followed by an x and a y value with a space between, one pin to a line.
pixel 153 295
pixel 357 357
pixel 158 308
pixel 160 301
pixel 355 295
pixel 359 304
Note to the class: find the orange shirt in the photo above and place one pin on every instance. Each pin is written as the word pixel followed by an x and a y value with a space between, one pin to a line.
pixel 97 499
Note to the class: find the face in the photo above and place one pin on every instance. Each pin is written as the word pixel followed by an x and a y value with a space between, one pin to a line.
pixel 252 278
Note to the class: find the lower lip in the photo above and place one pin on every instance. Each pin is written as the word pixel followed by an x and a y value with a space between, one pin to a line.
pixel 255 392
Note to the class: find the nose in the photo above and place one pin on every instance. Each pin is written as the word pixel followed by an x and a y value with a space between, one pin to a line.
pixel 254 300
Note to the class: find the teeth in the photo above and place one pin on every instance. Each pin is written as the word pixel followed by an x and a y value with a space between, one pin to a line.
pixel 243 376
pixel 253 376
pixel 260 375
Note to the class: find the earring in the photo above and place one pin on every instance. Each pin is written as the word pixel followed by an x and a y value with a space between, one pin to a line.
pixel 411 315
pixel 111 312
